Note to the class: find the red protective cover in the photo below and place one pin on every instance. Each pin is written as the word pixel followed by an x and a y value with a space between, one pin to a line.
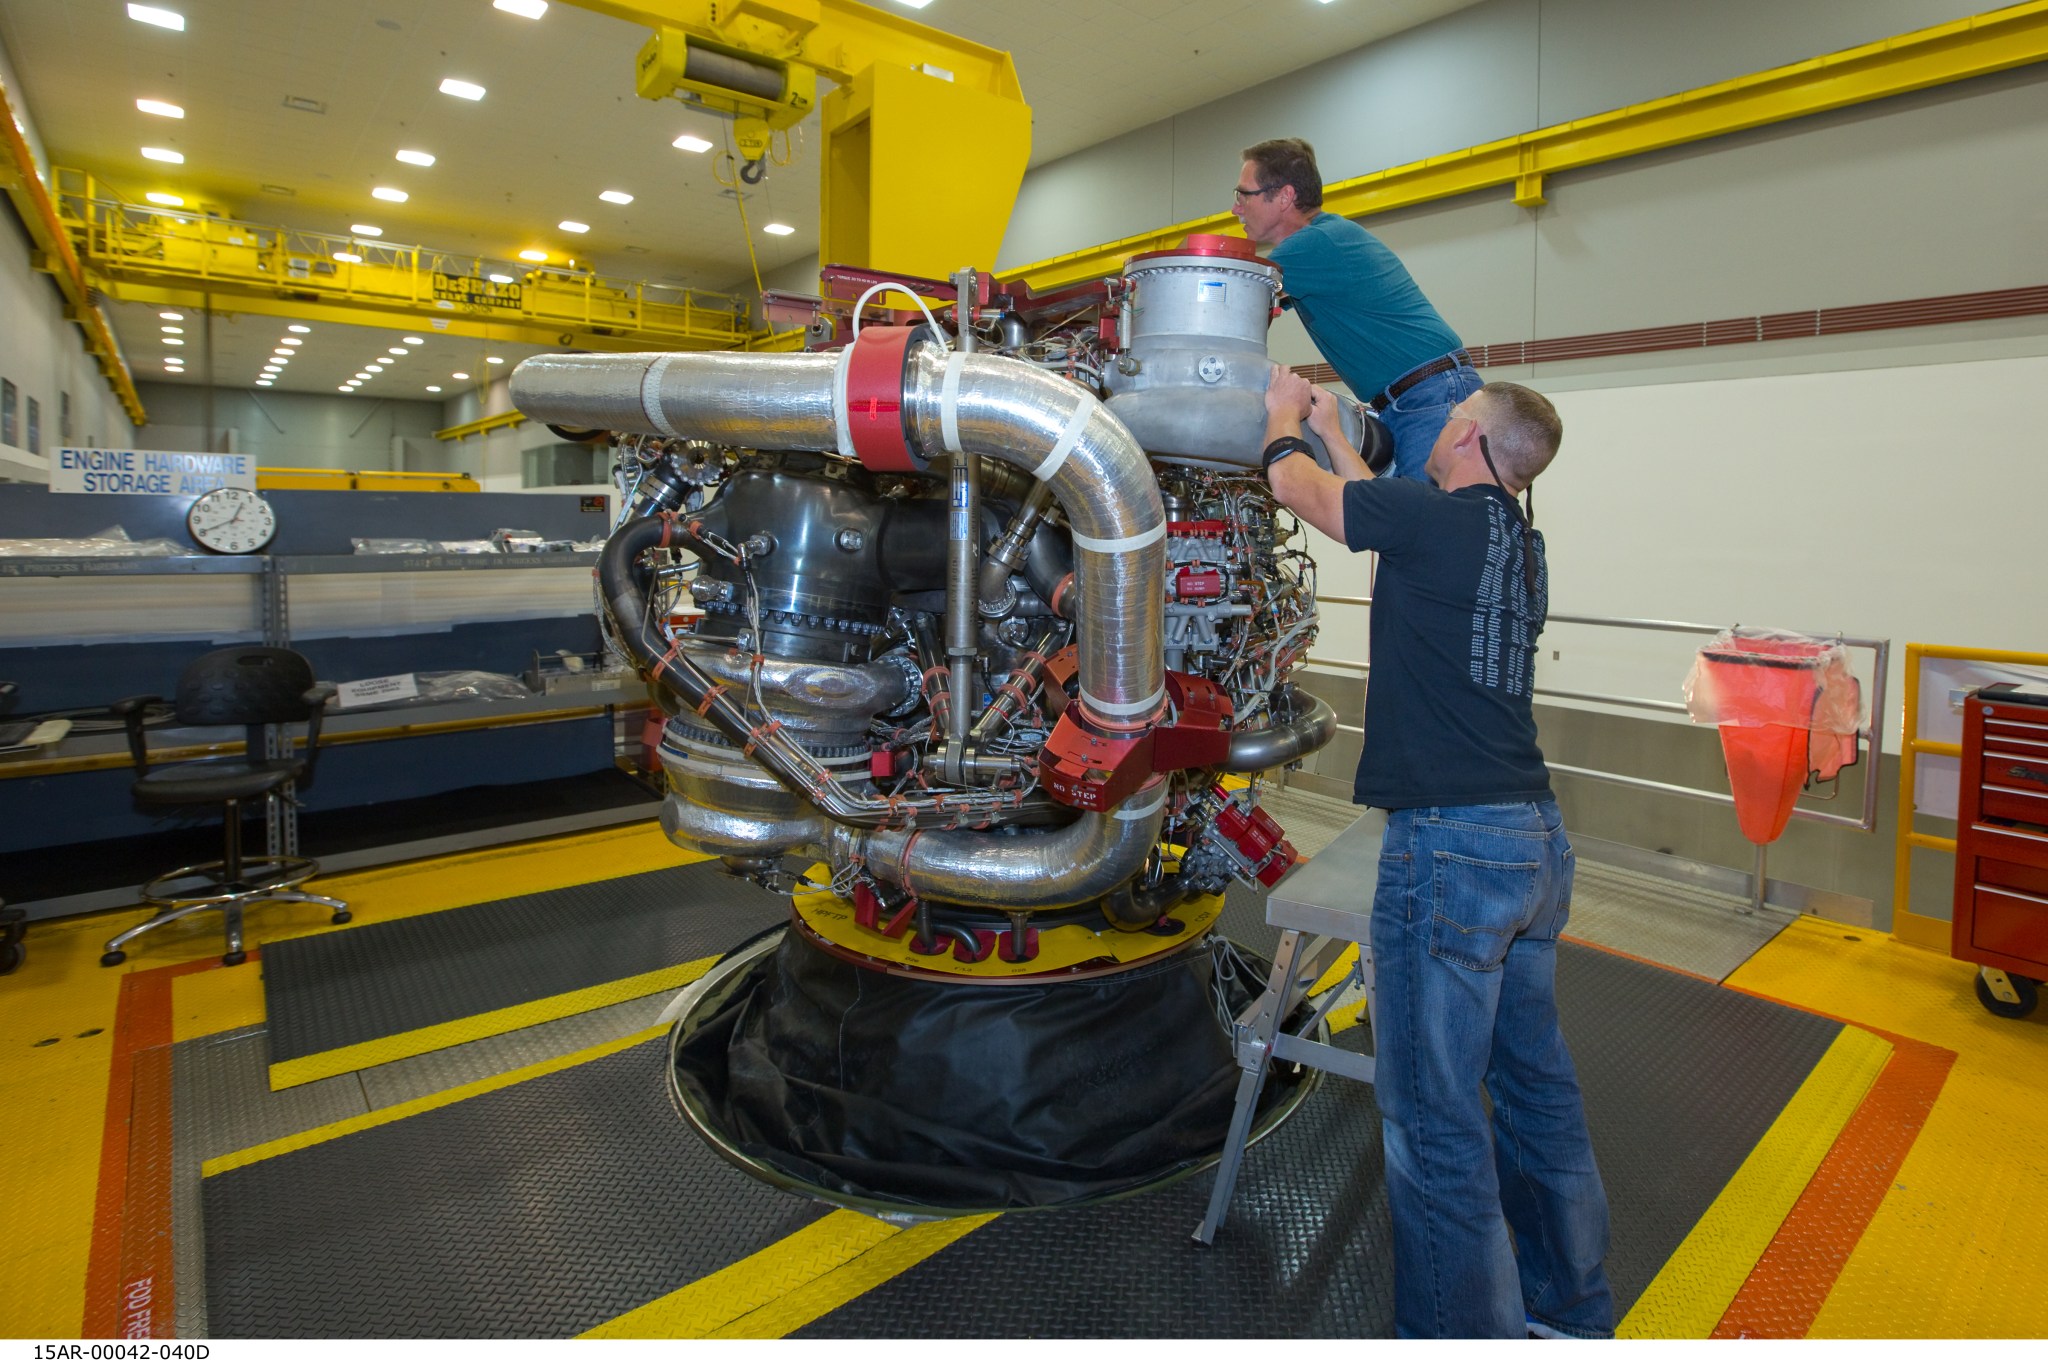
pixel 874 399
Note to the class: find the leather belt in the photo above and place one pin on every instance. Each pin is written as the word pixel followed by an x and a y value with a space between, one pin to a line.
pixel 1443 364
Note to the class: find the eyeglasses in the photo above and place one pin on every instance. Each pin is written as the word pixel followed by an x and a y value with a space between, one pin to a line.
pixel 1243 194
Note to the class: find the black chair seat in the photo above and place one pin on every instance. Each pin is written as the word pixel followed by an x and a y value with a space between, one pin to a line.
pixel 211 781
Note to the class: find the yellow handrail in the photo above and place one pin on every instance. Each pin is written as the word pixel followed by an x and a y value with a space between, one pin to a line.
pixel 1924 931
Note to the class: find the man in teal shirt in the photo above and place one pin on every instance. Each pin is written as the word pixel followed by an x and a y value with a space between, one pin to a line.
pixel 1360 305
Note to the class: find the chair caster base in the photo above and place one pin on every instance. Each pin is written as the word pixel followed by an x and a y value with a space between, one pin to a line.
pixel 113 958
pixel 234 959
pixel 341 917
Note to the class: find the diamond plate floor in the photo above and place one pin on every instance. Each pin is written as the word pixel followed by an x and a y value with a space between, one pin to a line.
pixel 1669 922
pixel 1311 821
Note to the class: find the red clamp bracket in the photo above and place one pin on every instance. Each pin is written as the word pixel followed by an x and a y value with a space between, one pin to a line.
pixel 875 416
pixel 1200 734
pixel 1258 840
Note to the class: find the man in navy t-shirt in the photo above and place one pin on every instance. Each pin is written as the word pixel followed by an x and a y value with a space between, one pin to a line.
pixel 1359 303
pixel 1500 1224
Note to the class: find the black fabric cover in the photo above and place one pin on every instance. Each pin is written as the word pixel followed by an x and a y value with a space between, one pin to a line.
pixel 968 1094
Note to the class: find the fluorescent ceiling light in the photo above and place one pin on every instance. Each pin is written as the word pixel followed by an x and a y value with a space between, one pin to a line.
pixel 170 201
pixel 374 369
pixel 493 360
pixel 571 225
pixel 690 142
pixel 263 383
pixel 417 158
pixel 174 341
pixel 172 317
pixel 299 327
pixel 174 331
pixel 159 108
pixel 777 229
pixel 458 375
pixel 616 197
pixel 348 257
pixel 174 365
pixel 162 18
pixel 920 4
pixel 386 193
pixel 532 254
pixel 290 341
pixel 164 154
pixel 525 9
pixel 280 356
pixel 366 229
pixel 433 388
pixel 462 90
pixel 501 279
pixel 413 341
pixel 400 350
pixel 346 388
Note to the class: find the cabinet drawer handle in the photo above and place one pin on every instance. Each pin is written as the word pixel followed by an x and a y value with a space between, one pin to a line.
pixel 2016 895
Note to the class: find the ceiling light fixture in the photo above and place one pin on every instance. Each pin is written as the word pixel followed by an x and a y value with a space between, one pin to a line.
pixel 374 369
pixel 172 317
pixel 366 229
pixel 346 388
pixel 433 388
pixel 299 327
pixel 494 360
pixel 913 4
pixel 571 225
pixel 174 341
pixel 173 331
pixel 164 154
pixel 290 341
pixel 616 197
pixel 162 18
pixel 417 158
pixel 169 201
pixel 349 257
pixel 690 142
pixel 532 254
pixel 525 9
pixel 263 383
pixel 777 229
pixel 462 90
pixel 458 375
pixel 389 195
pixel 159 108
pixel 413 341
pixel 400 350
pixel 501 279
pixel 361 375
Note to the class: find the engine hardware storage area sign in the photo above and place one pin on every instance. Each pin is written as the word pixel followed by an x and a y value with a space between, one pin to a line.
pixel 180 473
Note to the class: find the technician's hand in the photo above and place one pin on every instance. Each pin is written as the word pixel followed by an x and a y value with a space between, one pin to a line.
pixel 1287 394
pixel 1325 413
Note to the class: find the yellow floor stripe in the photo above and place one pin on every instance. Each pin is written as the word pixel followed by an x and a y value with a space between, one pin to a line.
pixel 1702 1277
pixel 326 1132
pixel 842 1286
pixel 703 1306
pixel 398 1046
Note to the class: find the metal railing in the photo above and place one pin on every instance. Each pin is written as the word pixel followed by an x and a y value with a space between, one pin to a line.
pixel 1871 735
pixel 137 241
pixel 1924 930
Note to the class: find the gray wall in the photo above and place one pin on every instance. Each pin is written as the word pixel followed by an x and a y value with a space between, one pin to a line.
pixel 295 430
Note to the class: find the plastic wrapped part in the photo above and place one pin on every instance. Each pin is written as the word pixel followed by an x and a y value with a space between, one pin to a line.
pixel 511 542
pixel 372 546
pixel 112 543
pixel 461 684
pixel 968 1094
pixel 1789 711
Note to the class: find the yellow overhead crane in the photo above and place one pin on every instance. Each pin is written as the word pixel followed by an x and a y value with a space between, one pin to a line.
pixel 925 137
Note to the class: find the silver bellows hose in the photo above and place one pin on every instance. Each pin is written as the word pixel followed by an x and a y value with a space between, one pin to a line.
pixel 980 404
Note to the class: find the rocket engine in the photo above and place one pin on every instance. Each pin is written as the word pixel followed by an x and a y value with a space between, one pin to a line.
pixel 990 617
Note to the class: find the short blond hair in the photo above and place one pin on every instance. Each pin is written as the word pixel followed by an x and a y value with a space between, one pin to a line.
pixel 1523 428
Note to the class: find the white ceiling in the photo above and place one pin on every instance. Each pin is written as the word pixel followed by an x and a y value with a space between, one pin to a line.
pixel 560 121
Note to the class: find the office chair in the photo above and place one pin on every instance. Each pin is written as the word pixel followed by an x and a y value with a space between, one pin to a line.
pixel 255 687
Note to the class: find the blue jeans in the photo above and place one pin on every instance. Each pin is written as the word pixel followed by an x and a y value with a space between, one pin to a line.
pixel 1492 1220
pixel 1417 417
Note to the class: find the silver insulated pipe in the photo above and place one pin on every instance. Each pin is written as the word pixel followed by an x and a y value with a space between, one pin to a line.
pixel 978 404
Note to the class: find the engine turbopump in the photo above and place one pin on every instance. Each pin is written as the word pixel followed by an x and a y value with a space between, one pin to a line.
pixel 987 662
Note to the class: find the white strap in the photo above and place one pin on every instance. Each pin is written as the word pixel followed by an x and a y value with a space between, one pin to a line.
pixel 1124 708
pixel 839 401
pixel 650 394
pixel 1121 544
pixel 949 402
pixel 1068 439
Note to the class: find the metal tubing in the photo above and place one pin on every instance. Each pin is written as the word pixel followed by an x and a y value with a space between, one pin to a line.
pixel 1255 751
pixel 963 616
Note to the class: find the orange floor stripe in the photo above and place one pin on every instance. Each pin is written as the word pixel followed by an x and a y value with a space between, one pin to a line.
pixel 1784 1293
pixel 128 1290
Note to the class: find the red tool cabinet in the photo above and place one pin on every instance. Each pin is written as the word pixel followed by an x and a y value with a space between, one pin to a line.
pixel 2001 900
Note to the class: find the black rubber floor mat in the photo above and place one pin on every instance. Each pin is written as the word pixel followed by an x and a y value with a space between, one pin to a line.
pixel 554 1205
pixel 538 1210
pixel 1681 1080
pixel 327 992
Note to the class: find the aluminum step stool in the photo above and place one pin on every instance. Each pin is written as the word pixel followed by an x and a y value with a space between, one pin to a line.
pixel 1323 905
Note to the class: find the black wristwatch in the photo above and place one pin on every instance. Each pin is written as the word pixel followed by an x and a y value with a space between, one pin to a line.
pixel 1281 449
